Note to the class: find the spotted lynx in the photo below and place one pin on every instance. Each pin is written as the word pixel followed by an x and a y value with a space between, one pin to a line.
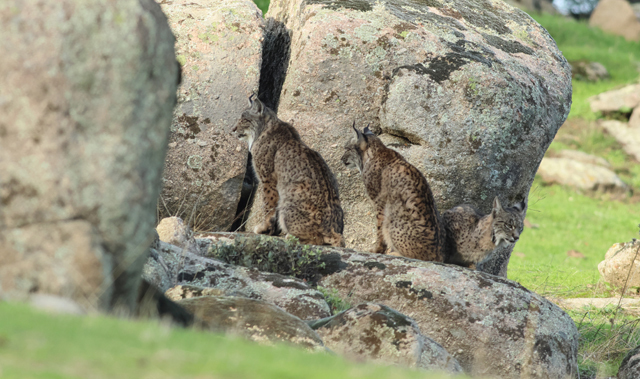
pixel 407 218
pixel 471 236
pixel 295 180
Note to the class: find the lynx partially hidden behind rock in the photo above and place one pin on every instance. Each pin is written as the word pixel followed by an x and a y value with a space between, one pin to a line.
pixel 295 179
pixel 472 236
pixel 408 220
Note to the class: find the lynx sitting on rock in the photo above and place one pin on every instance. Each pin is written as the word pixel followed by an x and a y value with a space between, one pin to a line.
pixel 471 236
pixel 408 221
pixel 296 181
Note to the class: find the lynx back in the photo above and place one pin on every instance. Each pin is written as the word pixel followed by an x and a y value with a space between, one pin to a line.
pixel 299 191
pixel 408 222
pixel 472 236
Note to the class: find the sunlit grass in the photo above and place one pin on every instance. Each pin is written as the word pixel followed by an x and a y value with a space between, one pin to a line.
pixel 37 345
pixel 564 220
pixel 577 41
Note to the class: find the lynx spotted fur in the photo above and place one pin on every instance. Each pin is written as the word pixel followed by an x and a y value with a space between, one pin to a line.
pixel 296 181
pixel 472 236
pixel 407 218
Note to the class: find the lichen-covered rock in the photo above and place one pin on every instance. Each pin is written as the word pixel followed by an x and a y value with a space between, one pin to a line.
pixel 494 327
pixel 630 366
pixel 85 110
pixel 377 333
pixel 621 265
pixel 256 320
pixel 471 92
pixel 170 266
pixel 219 47
pixel 580 174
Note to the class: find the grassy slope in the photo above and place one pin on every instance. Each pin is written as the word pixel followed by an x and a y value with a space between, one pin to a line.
pixel 568 220
pixel 37 345
pixel 578 41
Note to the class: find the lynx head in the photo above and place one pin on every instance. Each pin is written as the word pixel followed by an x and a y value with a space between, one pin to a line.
pixel 352 157
pixel 507 222
pixel 252 121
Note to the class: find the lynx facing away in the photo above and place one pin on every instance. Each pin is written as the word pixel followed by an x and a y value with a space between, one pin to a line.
pixel 471 236
pixel 296 181
pixel 408 221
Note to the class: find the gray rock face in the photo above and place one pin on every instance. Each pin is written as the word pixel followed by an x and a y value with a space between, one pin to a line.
pixel 85 112
pixel 616 17
pixel 471 92
pixel 256 320
pixel 630 366
pixel 621 262
pixel 171 265
pixel 219 47
pixel 493 326
pixel 377 333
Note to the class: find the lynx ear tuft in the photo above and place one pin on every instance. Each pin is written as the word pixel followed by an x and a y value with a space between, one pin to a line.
pixel 368 131
pixel 358 133
pixel 497 208
pixel 520 206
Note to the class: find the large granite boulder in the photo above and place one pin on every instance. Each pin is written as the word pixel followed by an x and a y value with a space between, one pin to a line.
pixel 494 327
pixel 621 265
pixel 85 109
pixel 377 333
pixel 630 366
pixel 219 44
pixel 170 266
pixel 471 92
pixel 256 320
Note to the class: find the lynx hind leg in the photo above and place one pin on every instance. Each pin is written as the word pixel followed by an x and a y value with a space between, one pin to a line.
pixel 334 239
pixel 299 224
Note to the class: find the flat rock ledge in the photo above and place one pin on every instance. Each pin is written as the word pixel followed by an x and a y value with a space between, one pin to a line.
pixel 493 326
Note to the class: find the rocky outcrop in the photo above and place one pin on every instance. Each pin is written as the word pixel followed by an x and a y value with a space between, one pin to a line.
pixel 630 366
pixel 377 333
pixel 627 136
pixel 619 100
pixel 491 325
pixel 174 231
pixel 219 46
pixel 621 265
pixel 588 71
pixel 582 171
pixel 616 17
pixel 170 266
pixel 470 92
pixel 85 110
pixel 256 320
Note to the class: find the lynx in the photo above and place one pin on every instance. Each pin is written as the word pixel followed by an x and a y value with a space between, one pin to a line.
pixel 408 222
pixel 297 184
pixel 471 236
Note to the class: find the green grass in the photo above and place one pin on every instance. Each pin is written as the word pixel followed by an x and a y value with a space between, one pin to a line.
pixel 38 345
pixel 567 221
pixel 578 41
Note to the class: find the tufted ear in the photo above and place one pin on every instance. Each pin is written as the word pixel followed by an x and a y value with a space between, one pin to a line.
pixel 359 135
pixel 497 207
pixel 367 131
pixel 255 104
pixel 520 206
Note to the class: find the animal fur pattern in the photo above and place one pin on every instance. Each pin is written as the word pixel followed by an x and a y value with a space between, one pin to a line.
pixel 408 222
pixel 297 183
pixel 472 236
